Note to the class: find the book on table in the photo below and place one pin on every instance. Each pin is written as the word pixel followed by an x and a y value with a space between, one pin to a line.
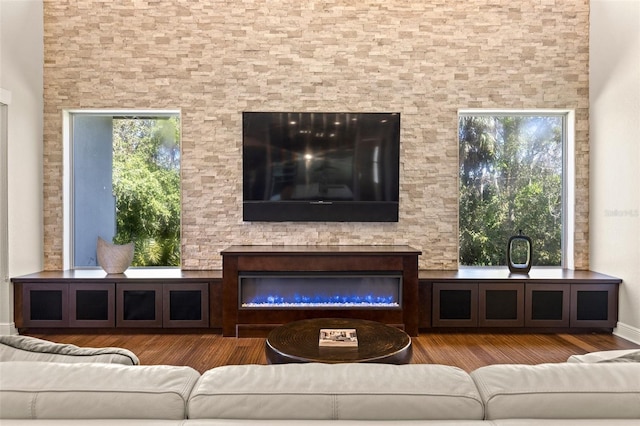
pixel 338 337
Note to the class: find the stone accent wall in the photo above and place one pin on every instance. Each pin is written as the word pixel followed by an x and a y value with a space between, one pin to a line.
pixel 214 59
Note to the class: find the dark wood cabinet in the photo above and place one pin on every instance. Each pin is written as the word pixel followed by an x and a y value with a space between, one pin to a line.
pixel 155 299
pixel 44 305
pixel 311 262
pixel 478 305
pixel 501 305
pixel 215 303
pixel 91 305
pixel 594 305
pixel 166 305
pixel 185 305
pixel 545 299
pixel 137 299
pixel 425 298
pixel 455 306
pixel 139 305
pixel 547 305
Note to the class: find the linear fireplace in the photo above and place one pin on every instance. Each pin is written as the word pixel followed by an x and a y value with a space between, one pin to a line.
pixel 267 286
pixel 319 291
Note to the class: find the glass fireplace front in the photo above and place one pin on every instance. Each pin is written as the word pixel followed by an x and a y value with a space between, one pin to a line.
pixel 319 291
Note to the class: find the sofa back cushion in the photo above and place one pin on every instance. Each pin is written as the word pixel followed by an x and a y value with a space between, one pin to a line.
pixel 560 391
pixel 47 390
pixel 27 348
pixel 335 391
pixel 616 355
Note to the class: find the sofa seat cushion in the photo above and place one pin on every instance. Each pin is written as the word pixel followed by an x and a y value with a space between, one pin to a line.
pixel 336 391
pixel 619 355
pixel 49 390
pixel 26 348
pixel 560 391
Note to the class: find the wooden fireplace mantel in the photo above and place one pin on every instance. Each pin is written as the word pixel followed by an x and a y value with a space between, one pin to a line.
pixel 330 259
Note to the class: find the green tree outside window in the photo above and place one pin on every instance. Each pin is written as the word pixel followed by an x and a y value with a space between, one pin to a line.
pixel 146 184
pixel 511 169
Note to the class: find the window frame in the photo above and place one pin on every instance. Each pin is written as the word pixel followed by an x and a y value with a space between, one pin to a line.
pixel 5 100
pixel 568 174
pixel 68 166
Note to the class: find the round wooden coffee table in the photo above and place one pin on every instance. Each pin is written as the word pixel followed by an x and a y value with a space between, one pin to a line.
pixel 298 342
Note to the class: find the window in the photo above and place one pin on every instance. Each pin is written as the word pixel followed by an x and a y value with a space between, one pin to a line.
pixel 123 185
pixel 515 174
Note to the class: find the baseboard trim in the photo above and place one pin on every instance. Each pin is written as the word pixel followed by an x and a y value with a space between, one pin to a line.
pixel 8 328
pixel 627 332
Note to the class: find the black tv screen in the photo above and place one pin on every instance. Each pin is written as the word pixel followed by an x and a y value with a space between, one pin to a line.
pixel 310 166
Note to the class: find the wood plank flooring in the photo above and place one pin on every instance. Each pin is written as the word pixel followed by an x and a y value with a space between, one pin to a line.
pixel 465 350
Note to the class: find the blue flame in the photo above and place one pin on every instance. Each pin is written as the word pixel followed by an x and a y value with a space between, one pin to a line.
pixel 331 300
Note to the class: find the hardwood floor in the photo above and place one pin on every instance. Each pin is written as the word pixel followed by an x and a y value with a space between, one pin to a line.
pixel 465 350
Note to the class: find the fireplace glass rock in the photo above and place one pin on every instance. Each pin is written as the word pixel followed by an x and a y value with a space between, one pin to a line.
pixel 319 291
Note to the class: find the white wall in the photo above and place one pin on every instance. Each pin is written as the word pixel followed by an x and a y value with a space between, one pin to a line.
pixel 21 69
pixel 615 152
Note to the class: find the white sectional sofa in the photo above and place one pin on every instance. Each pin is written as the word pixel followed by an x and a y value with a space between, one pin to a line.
pixel 572 394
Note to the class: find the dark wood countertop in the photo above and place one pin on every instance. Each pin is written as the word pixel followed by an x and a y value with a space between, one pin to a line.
pixel 546 274
pixel 368 250
pixel 463 274
pixel 137 274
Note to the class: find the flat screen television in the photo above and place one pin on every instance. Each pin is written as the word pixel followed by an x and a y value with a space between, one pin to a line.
pixel 320 166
